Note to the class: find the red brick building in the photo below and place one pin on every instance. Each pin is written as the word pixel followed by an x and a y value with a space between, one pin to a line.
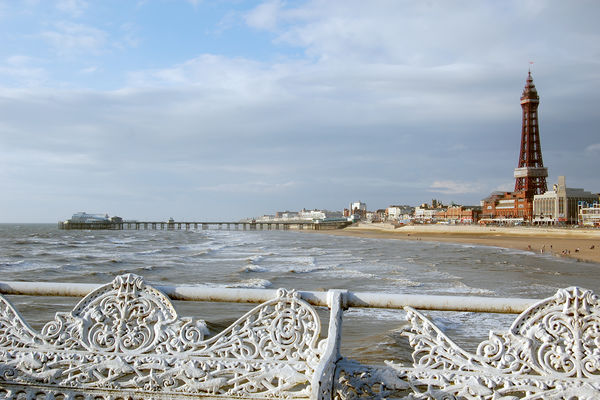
pixel 459 215
pixel 506 207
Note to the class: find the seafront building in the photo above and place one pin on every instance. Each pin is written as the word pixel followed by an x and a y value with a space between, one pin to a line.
pixel 425 214
pixel 399 212
pixel 530 175
pixel 456 214
pixel 589 214
pixel 561 204
pixel 505 207
pixel 356 211
pixel 358 207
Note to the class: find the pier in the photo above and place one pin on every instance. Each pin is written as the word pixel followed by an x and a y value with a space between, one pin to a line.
pixel 204 225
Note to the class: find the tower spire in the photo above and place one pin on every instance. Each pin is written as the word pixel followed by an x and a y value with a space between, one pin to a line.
pixel 530 174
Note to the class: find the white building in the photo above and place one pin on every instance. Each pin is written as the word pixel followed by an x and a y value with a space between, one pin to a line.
pixel 560 205
pixel 358 206
pixel 303 215
pixel 399 212
pixel 83 217
pixel 311 215
pixel 287 215
pixel 425 214
pixel 266 218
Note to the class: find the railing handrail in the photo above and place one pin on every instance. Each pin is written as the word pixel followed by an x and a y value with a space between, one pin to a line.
pixel 315 298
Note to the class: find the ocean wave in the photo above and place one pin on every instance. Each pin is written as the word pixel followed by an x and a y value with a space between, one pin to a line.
pixel 461 287
pixel 199 254
pixel 349 274
pixel 404 282
pixel 377 313
pixel 255 259
pixel 25 242
pixel 27 266
pixel 469 325
pixel 11 263
pixel 111 261
pixel 251 284
pixel 149 252
pixel 253 268
pixel 307 269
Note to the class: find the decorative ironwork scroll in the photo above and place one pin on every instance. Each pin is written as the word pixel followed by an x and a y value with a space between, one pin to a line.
pixel 551 351
pixel 125 341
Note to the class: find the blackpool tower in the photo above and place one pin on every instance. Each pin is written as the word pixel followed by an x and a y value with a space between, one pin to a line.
pixel 530 174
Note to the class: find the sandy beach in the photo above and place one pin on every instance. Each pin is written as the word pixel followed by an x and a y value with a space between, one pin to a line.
pixel 581 244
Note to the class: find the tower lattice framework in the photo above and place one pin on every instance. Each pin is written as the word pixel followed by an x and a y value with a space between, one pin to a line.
pixel 530 174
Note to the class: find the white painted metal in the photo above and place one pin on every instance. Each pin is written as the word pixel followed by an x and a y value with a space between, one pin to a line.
pixel 351 299
pixel 551 351
pixel 124 340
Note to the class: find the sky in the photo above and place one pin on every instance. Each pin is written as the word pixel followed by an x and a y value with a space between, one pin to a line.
pixel 204 110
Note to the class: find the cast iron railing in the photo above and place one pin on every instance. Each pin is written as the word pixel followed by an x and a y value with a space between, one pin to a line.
pixel 124 340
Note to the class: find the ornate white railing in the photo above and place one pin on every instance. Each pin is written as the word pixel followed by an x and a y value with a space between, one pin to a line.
pixel 124 340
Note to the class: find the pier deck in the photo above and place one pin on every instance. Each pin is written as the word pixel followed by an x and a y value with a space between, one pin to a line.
pixel 195 225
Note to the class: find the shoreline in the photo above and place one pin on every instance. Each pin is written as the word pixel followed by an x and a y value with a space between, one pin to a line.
pixel 579 244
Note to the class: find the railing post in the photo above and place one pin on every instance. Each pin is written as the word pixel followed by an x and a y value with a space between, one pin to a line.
pixel 322 385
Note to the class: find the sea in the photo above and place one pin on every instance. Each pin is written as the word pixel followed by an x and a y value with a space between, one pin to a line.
pixel 294 260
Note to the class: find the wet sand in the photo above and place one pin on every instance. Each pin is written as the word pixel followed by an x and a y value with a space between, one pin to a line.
pixel 581 244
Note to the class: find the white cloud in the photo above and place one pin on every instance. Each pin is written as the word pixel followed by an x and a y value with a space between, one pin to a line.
pixel 249 187
pixel 69 38
pixel 364 100
pixel 18 71
pixel 265 16
pixel 89 70
pixel 508 186
pixel 593 149
pixel 194 3
pixel 455 187
pixel 74 8
pixel 129 38
pixel 225 81
pixel 46 159
pixel 19 60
